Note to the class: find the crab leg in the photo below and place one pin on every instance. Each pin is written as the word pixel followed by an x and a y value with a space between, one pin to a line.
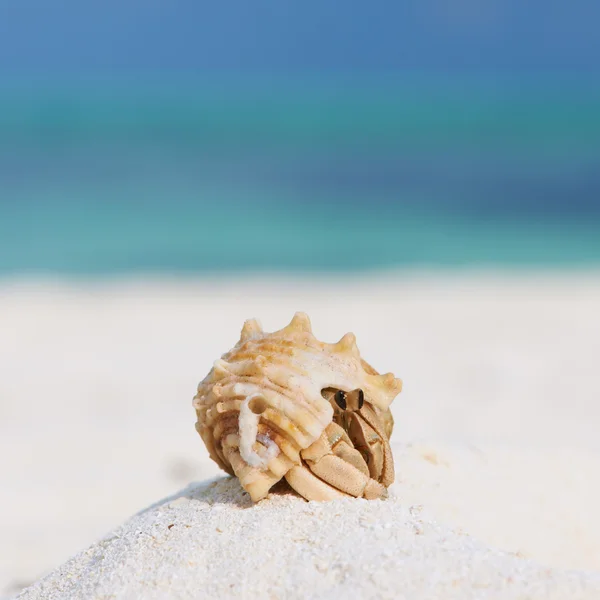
pixel 311 487
pixel 366 431
pixel 332 460
pixel 342 446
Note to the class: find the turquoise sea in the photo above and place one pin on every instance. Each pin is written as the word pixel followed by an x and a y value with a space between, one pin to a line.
pixel 169 176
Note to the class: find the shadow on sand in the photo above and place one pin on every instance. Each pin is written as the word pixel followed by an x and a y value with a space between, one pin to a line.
pixel 218 490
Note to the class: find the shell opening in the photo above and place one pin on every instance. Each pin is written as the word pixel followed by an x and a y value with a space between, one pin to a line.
pixel 257 405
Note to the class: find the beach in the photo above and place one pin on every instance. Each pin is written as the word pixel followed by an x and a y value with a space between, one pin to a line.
pixel 496 437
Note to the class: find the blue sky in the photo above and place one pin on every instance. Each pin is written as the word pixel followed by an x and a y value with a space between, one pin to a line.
pixel 132 36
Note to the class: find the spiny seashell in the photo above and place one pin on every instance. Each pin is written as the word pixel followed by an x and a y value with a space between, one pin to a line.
pixel 262 403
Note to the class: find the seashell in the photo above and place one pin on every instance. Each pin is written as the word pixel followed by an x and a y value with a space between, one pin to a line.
pixel 265 404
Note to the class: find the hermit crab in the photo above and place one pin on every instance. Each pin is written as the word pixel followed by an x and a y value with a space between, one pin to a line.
pixel 285 405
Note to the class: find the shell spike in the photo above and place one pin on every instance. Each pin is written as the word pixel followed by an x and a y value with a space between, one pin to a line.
pixel 347 344
pixel 251 329
pixel 300 322
pixel 390 382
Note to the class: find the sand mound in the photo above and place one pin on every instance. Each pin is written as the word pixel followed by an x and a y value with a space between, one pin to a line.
pixel 209 541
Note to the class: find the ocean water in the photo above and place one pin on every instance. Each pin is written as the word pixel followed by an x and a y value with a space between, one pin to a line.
pixel 178 178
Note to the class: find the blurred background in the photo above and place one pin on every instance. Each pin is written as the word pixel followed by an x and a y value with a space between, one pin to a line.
pixel 424 173
pixel 193 137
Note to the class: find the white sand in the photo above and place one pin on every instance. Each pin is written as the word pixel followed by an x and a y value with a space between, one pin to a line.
pixel 497 438
pixel 212 543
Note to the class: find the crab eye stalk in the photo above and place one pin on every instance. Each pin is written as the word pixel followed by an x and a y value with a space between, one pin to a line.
pixel 340 399
pixel 361 399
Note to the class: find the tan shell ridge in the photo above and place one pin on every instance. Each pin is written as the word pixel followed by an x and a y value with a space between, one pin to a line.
pixel 261 402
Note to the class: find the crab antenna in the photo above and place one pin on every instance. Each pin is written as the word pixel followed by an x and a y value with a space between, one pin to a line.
pixel 251 329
